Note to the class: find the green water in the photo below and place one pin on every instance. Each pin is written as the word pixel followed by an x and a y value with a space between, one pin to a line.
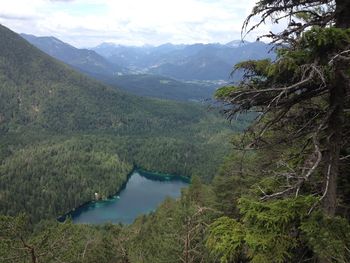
pixel 142 194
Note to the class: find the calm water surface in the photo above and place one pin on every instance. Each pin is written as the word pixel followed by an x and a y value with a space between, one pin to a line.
pixel 141 195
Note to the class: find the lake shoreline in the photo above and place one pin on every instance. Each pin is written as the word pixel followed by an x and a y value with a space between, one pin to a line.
pixel 155 176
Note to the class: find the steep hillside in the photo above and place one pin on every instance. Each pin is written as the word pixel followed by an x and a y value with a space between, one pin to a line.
pixel 82 59
pixel 65 136
pixel 39 91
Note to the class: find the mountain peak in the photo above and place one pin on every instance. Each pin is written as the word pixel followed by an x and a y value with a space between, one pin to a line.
pixel 237 43
pixel 107 45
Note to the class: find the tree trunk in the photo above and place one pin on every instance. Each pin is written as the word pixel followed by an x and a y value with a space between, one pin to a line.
pixel 336 121
pixel 338 92
pixel 34 258
pixel 342 14
pixel 334 140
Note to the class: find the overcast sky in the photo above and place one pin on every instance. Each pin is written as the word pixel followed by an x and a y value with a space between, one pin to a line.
pixel 87 23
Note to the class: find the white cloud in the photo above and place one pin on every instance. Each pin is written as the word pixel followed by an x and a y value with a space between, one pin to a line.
pixel 132 22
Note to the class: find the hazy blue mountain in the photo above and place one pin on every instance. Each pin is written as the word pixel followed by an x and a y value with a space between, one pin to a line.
pixel 237 43
pixel 185 62
pixel 160 71
pixel 212 62
pixel 82 59
pixel 136 57
pixel 94 65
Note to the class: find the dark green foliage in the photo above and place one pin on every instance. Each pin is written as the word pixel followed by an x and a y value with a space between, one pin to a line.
pixel 65 136
pixel 283 230
pixel 161 87
pixel 63 172
pixel 224 91
pixel 279 231
pixel 328 237
pixel 291 212
pixel 56 243
pixel 234 178
pixel 271 228
pixel 267 231
pixel 274 201
pixel 226 239
pixel 176 231
pixel 54 178
pixel 319 40
pixel 38 92
pixel 51 242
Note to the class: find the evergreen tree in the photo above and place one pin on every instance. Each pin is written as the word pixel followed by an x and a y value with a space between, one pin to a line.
pixel 302 100
pixel 307 85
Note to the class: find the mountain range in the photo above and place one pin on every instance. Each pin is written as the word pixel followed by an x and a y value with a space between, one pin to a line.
pixel 177 72
pixel 185 62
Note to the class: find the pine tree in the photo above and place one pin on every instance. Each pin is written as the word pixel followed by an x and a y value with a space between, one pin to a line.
pixel 308 86
pixel 302 101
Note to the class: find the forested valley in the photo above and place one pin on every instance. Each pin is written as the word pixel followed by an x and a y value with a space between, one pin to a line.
pixel 65 136
pixel 270 184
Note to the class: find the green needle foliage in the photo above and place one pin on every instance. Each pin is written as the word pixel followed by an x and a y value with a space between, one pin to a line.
pixel 293 211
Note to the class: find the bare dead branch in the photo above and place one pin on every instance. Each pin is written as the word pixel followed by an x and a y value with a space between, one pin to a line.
pixel 303 178
pixel 344 157
pixel 339 56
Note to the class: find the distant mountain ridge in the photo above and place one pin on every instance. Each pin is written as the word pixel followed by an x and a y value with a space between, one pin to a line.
pixel 237 43
pixel 96 66
pixel 199 61
pixel 158 71
pixel 185 62
pixel 82 59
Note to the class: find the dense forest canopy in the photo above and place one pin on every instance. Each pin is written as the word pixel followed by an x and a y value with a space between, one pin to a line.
pixel 65 136
pixel 282 195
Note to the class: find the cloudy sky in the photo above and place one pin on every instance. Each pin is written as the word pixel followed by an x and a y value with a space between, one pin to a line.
pixel 87 23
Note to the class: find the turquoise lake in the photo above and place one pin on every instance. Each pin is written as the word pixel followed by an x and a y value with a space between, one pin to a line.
pixel 142 194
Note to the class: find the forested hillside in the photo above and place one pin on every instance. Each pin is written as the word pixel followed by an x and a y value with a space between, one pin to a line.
pixel 81 59
pixel 157 86
pixel 282 194
pixel 65 136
